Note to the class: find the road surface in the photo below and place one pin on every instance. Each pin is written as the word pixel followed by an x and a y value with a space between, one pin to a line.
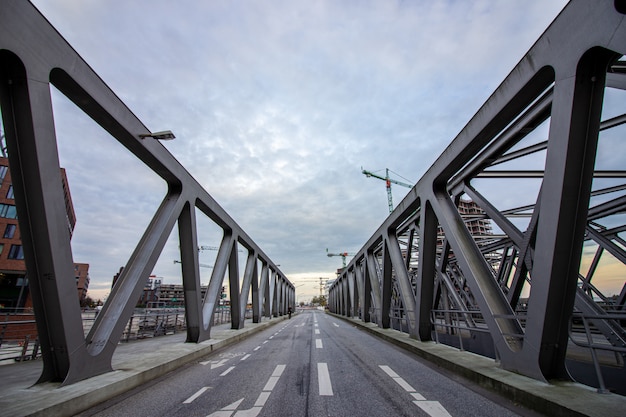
pixel 310 365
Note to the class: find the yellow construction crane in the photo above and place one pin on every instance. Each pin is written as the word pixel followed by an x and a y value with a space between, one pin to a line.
pixel 343 256
pixel 388 182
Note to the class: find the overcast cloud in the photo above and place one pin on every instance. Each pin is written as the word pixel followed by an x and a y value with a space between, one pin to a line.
pixel 276 105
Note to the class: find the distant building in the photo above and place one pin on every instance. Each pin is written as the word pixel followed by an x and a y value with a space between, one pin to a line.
pixel 81 272
pixel 155 294
pixel 172 295
pixel 14 291
pixel 149 296
pixel 476 222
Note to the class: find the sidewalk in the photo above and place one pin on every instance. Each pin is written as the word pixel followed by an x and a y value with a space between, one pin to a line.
pixel 134 363
pixel 554 399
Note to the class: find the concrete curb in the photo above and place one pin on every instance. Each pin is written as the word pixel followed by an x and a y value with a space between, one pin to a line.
pixel 52 399
pixel 554 399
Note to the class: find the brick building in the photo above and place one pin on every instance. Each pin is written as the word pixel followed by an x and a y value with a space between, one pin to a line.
pixel 81 272
pixel 13 277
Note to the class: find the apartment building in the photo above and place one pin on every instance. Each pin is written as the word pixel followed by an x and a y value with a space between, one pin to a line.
pixel 13 275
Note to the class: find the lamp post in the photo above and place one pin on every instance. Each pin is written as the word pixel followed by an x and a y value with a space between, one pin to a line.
pixel 164 135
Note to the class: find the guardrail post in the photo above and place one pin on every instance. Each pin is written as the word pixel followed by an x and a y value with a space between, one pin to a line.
pixel 24 349
pixel 596 364
pixel 35 349
pixel 130 325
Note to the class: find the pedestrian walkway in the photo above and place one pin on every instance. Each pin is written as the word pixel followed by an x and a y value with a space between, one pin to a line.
pixel 554 399
pixel 134 364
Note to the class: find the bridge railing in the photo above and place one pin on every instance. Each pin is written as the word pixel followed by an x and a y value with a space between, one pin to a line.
pixel 602 352
pixel 19 341
pixel 34 56
pixel 521 217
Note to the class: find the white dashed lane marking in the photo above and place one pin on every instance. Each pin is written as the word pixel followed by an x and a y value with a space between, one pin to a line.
pixel 318 344
pixel 196 395
pixel 226 372
pixel 432 408
pixel 258 404
pixel 323 379
pixel 271 383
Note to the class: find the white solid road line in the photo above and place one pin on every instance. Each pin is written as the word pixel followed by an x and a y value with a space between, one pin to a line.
pixel 323 379
pixel 432 408
pixel 196 395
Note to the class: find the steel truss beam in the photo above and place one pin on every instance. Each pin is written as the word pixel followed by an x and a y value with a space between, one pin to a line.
pixel 32 56
pixel 444 273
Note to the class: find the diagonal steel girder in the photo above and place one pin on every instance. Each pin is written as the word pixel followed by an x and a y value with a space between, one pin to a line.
pixel 562 78
pixel 34 56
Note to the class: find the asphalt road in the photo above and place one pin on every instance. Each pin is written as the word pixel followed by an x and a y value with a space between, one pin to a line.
pixel 311 365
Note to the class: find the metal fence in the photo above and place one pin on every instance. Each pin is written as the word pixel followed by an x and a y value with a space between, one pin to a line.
pixel 587 343
pixel 18 335
pixel 18 331
pixel 585 334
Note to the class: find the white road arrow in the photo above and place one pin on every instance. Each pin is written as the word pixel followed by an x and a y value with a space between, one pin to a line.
pixel 226 411
pixel 215 364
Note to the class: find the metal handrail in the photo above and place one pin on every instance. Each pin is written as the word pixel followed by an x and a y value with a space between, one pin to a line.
pixel 435 323
pixel 24 345
pixel 592 346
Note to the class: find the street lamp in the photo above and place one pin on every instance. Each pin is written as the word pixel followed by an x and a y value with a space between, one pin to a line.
pixel 164 135
pixel 176 261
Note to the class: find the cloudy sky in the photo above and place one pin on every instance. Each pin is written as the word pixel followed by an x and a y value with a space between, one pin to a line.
pixel 276 106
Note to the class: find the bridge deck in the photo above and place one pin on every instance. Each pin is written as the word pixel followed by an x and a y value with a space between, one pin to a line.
pixel 134 364
pixel 554 399
pixel 138 362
